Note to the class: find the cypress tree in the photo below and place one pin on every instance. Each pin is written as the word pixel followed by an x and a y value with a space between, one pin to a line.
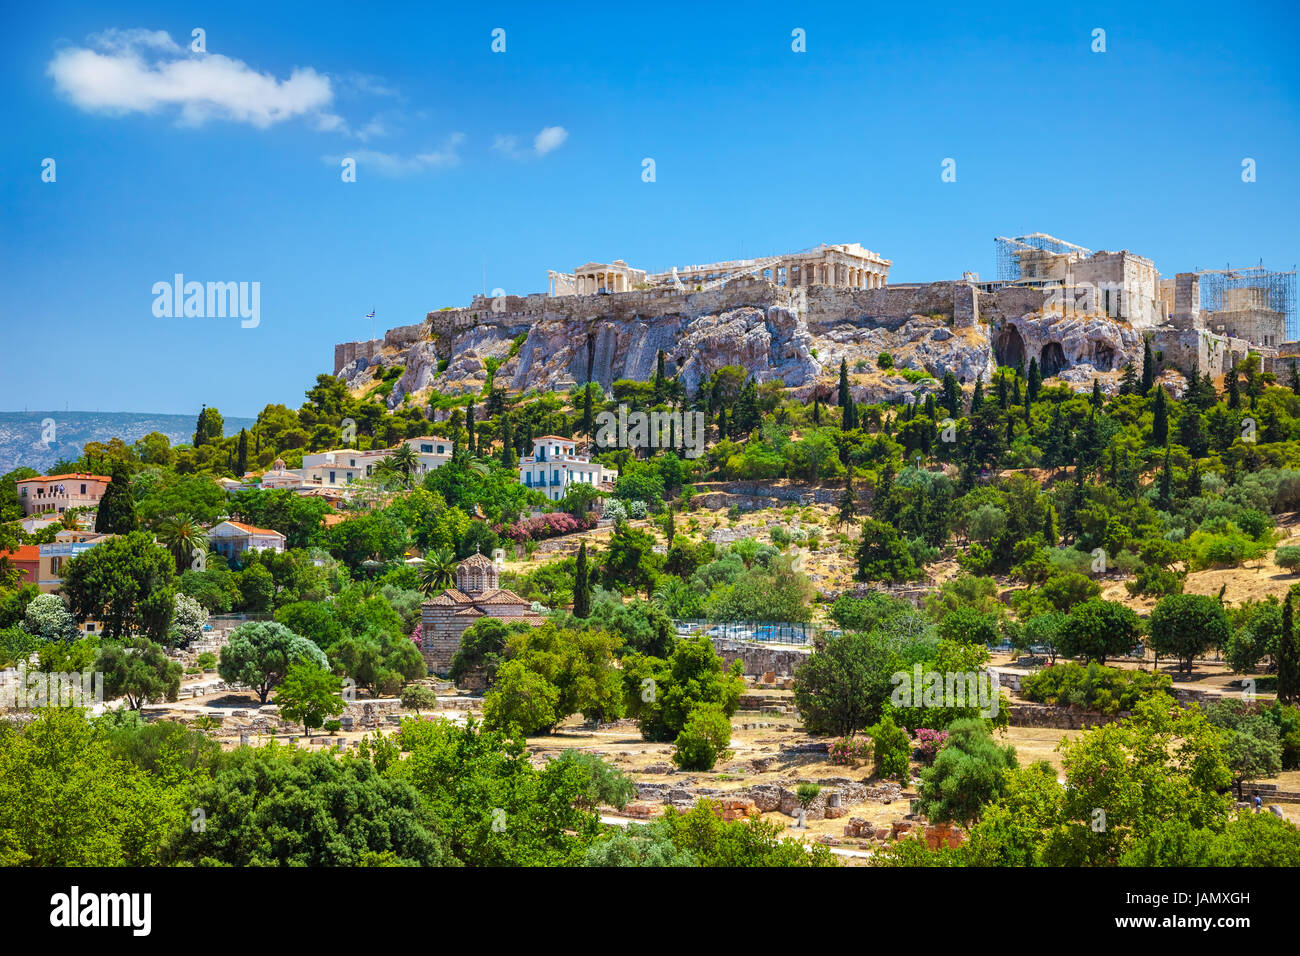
pixel 1035 381
pixel 670 530
pixel 241 457
pixel 581 590
pixel 1165 487
pixel 746 417
pixel 848 511
pixel 849 419
pixel 951 394
pixel 1233 390
pixel 116 511
pixel 469 426
pixel 1194 480
pixel 507 444
pixel 1003 396
pixel 977 396
pixel 1097 399
pixel 844 382
pixel 817 410
pixel 1148 368
pixel 588 420
pixel 1160 419
pixel 1128 381
pixel 1050 536
pixel 1288 653
pixel 660 379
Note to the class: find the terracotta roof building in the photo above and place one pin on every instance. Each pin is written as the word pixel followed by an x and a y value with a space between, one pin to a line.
pixel 26 558
pixel 230 539
pixel 54 494
pixel 445 617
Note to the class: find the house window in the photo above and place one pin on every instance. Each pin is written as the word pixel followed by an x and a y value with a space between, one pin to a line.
pixel 90 628
pixel 427 448
pixel 331 477
pixel 440 449
pixel 83 489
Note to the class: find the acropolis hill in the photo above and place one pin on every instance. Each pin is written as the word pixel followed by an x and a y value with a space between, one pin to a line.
pixel 793 317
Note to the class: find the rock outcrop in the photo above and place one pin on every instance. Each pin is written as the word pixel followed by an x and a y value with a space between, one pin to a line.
pixel 537 343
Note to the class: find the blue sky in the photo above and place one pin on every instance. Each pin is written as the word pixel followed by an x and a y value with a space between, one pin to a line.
pixel 224 166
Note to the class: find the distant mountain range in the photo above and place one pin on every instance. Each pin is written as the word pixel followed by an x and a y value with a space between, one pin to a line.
pixel 28 440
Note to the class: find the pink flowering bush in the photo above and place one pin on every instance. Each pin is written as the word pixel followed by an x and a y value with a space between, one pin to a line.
pixel 545 526
pixel 928 743
pixel 846 751
pixel 417 636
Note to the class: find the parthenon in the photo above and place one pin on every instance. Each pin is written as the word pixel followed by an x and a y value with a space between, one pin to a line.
pixel 845 265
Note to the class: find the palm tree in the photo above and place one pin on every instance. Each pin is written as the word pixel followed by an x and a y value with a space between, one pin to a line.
pixel 404 461
pixel 438 571
pixel 183 537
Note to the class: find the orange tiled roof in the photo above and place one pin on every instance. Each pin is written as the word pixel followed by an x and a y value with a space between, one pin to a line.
pixel 75 476
pixel 251 530
pixel 24 552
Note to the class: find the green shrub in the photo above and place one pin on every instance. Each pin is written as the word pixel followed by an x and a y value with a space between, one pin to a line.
pixel 1107 690
pixel 703 740
pixel 1288 557
pixel 893 750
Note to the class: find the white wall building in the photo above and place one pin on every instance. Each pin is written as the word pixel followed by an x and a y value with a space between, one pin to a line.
pixel 232 538
pixel 433 452
pixel 555 464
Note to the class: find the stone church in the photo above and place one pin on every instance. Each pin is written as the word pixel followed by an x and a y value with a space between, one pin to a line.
pixel 477 594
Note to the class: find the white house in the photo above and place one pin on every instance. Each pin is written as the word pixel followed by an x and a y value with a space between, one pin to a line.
pixel 555 464
pixel 232 538
pixel 433 452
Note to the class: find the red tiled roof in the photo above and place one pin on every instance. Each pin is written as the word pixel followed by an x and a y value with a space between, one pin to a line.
pixel 572 441
pixel 502 596
pixel 24 552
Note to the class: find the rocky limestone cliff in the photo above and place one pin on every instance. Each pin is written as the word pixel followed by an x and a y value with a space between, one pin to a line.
pixel 800 343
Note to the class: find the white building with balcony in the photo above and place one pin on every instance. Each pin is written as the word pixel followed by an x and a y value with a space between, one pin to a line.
pixel 555 464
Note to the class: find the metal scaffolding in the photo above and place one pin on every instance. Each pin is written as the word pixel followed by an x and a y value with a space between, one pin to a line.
pixel 1221 291
pixel 1009 250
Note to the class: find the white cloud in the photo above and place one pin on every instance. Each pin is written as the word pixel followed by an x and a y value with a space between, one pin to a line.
pixel 394 164
pixel 551 138
pixel 548 140
pixel 146 71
